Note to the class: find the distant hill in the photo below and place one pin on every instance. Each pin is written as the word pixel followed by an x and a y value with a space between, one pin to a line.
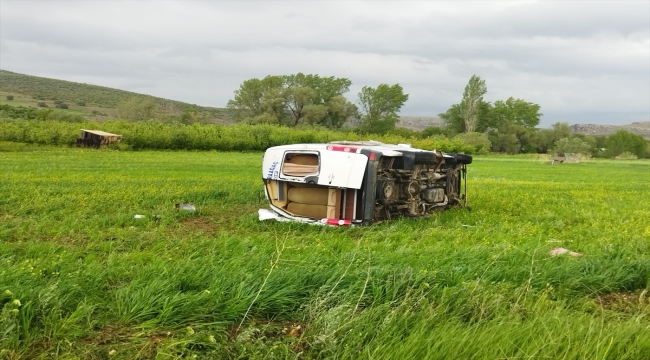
pixel 98 101
pixel 640 128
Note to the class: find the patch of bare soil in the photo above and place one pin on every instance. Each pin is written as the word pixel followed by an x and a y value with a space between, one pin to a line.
pixel 622 300
pixel 203 224
pixel 107 335
pixel 268 329
pixel 215 220
pixel 116 334
pixel 252 331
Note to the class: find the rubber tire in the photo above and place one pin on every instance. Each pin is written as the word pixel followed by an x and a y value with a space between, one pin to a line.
pixel 425 157
pixel 463 159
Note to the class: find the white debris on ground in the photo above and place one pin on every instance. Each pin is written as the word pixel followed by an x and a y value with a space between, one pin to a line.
pixel 186 207
pixel 266 214
pixel 561 251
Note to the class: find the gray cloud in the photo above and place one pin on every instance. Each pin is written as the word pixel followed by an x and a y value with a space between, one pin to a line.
pixel 578 60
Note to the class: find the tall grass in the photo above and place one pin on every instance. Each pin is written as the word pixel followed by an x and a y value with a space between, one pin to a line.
pixel 91 281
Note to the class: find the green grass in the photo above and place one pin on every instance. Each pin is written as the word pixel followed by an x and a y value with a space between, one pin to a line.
pixel 93 282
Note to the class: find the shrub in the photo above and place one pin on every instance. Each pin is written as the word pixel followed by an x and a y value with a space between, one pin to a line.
pixel 573 145
pixel 626 156
pixel 62 105
pixel 435 131
pixel 403 132
pixel 58 102
pixel 10 97
pixel 622 141
pixel 505 143
pixel 42 104
pixel 81 103
pixel 480 142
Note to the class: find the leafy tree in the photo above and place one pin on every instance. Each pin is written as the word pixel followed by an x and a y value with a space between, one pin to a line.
pixel 599 147
pixel 333 114
pixel 543 140
pixel 510 123
pixel 561 130
pixel 519 118
pixel 318 100
pixel 453 119
pixel 469 107
pixel 571 145
pixel 506 143
pixel 591 140
pixel 379 107
pixel 10 97
pixel 516 111
pixel 255 97
pixel 456 123
pixel 622 141
pixel 293 100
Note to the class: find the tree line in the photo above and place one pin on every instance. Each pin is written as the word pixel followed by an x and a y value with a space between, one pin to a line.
pixel 510 126
pixel 308 99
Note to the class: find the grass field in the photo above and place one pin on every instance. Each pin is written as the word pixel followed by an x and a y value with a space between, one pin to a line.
pixel 81 278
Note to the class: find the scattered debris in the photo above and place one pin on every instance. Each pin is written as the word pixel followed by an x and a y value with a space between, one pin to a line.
pixel 185 206
pixel 561 251
pixel 561 158
pixel 293 330
pixel 157 218
pixel 553 241
pixel 265 214
pixel 622 299
pixel 138 216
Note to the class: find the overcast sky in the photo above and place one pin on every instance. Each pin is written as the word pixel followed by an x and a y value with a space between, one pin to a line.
pixel 582 61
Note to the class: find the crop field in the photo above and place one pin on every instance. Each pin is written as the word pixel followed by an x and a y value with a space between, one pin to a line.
pixel 80 277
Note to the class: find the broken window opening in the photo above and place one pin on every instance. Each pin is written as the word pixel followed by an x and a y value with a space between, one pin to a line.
pixel 300 164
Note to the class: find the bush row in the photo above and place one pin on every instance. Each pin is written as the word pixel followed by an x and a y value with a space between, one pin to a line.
pixel 240 137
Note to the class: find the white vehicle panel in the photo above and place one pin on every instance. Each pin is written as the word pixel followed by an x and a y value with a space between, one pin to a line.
pixel 337 168
pixel 342 169
pixel 271 163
